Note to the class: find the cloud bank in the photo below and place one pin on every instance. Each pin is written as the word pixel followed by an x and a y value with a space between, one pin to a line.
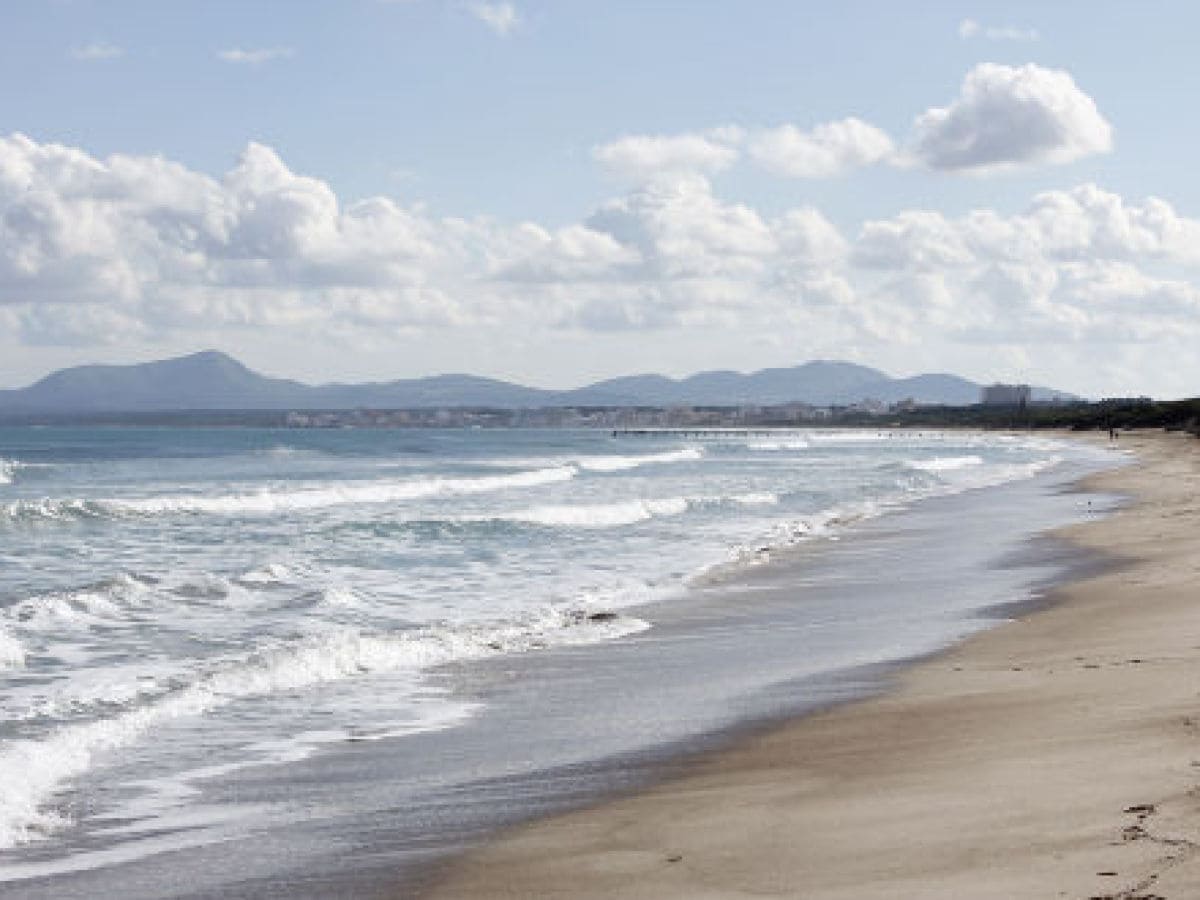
pixel 141 248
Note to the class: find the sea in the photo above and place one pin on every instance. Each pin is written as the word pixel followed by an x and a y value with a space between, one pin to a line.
pixel 272 662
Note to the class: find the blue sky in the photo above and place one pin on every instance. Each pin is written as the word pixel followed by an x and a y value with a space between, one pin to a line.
pixel 515 245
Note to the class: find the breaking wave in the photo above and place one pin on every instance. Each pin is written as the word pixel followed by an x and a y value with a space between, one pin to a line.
pixel 623 463
pixel 33 771
pixel 944 463
pixel 267 501
pixel 776 446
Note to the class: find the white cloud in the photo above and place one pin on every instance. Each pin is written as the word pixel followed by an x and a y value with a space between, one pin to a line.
pixel 681 230
pixel 574 253
pixel 920 240
pixel 1082 265
pixel 255 57
pixel 829 149
pixel 1004 118
pixel 97 51
pixel 969 28
pixel 136 248
pixel 643 157
pixel 1008 117
pixel 502 18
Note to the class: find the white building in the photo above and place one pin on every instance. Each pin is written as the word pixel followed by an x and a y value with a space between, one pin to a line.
pixel 1006 395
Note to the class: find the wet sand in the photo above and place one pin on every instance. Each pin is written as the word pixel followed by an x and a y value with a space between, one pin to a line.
pixel 1054 756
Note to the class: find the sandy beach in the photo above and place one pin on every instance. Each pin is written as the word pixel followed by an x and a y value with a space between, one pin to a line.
pixel 1057 755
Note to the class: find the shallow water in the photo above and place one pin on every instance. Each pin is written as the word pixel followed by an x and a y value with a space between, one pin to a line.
pixel 366 639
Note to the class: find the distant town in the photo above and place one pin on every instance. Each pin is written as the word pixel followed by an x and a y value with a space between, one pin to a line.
pixel 997 397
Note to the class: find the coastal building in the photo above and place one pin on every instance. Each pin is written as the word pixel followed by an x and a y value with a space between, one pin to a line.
pixel 1006 395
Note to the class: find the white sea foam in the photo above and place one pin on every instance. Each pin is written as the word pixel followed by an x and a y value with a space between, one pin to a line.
pixel 106 600
pixel 363 586
pixel 269 575
pixel 626 512
pixel 781 445
pixel 960 474
pixel 622 463
pixel 32 771
pixel 756 498
pixel 12 651
pixel 600 515
pixel 10 467
pixel 268 501
pixel 944 463
pixel 599 462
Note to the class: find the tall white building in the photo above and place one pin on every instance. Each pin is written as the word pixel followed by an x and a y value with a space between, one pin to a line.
pixel 1006 395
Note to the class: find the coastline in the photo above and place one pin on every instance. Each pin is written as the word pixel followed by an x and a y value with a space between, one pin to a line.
pixel 1055 755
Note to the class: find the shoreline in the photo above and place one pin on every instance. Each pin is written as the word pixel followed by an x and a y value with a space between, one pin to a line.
pixel 1054 755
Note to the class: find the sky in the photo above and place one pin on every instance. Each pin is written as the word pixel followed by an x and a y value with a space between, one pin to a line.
pixel 558 191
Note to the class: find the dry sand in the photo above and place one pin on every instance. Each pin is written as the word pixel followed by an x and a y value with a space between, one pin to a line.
pixel 1054 756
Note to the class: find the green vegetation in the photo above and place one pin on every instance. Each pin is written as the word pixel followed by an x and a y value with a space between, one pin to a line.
pixel 1125 413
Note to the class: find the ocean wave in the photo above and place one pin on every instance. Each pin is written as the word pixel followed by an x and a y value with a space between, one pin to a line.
pixel 12 652
pixel 600 515
pixel 126 600
pixel 616 463
pixel 756 498
pixel 106 601
pixel 268 501
pixel 776 446
pixel 33 771
pixel 623 512
pixel 944 463
pixel 10 467
pixel 597 462
pixel 960 474
pixel 269 575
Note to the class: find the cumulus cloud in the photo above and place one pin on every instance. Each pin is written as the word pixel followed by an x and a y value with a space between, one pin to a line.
pixel 1004 118
pixel 1007 117
pixel 255 57
pixel 572 254
pixel 1077 265
pixel 644 157
pixel 828 149
pixel 969 28
pixel 163 244
pixel 681 230
pixel 97 51
pixel 130 248
pixel 501 18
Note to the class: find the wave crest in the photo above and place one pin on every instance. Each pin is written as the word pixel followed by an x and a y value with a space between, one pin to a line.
pixel 32 771
pixel 267 501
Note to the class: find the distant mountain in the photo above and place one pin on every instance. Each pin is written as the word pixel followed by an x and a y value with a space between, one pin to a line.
pixel 214 381
pixel 820 382
pixel 208 380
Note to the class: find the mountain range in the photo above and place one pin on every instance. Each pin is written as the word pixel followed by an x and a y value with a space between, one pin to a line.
pixel 211 380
